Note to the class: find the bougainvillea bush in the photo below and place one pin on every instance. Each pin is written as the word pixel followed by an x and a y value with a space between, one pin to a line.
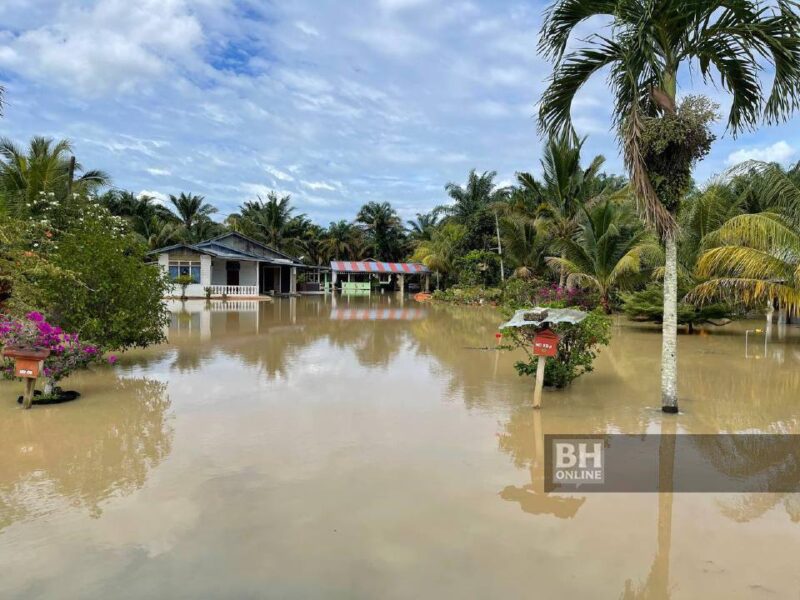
pixel 67 352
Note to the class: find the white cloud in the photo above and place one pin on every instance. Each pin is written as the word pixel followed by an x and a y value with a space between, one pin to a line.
pixel 318 185
pixel 278 174
pixel 114 44
pixel 779 152
pixel 400 4
pixel 157 171
pixel 306 28
pixel 159 197
pixel 393 41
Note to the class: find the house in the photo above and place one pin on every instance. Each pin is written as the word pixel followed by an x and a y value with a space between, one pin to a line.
pixel 231 265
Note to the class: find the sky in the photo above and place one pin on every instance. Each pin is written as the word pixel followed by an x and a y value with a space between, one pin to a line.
pixel 337 103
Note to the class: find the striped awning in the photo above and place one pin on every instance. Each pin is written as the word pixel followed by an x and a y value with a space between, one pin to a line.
pixel 378 314
pixel 371 266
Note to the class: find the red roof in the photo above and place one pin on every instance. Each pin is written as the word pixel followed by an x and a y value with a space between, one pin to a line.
pixel 371 266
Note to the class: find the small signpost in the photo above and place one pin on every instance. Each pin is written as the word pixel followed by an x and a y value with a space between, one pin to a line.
pixel 545 344
pixel 536 323
pixel 28 363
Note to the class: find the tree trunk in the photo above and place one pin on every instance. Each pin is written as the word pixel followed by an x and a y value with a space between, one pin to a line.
pixel 669 337
pixel 563 276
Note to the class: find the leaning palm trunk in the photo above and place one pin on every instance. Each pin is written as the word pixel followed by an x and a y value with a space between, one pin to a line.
pixel 669 336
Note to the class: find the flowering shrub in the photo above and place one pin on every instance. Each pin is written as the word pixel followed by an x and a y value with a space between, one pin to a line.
pixel 522 293
pixel 67 352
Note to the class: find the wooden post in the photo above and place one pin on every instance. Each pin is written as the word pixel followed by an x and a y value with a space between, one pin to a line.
pixel 27 397
pixel 537 392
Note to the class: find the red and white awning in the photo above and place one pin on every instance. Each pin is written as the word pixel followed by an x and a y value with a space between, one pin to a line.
pixel 371 266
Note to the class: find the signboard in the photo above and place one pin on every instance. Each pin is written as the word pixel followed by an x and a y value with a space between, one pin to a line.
pixel 25 367
pixel 545 343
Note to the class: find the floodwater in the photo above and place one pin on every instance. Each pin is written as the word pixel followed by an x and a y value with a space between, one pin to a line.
pixel 374 448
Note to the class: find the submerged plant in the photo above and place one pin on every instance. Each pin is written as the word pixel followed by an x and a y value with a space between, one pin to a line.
pixel 578 346
pixel 67 353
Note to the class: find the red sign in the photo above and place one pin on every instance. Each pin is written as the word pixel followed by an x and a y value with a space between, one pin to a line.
pixel 545 343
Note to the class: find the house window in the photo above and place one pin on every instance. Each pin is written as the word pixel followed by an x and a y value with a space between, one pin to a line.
pixel 184 267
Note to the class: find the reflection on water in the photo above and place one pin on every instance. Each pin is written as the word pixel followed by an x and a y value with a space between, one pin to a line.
pixel 374 447
pixel 65 456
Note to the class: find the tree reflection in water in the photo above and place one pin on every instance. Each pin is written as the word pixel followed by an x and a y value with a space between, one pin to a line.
pixel 83 453
pixel 524 441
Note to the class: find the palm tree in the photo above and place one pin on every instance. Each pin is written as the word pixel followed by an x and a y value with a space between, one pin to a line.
pixel 41 169
pixel 754 258
pixel 473 207
pixel 647 42
pixel 191 209
pixel 566 186
pixel 342 241
pixel 383 228
pixel 423 226
pixel 609 248
pixel 439 253
pixel 142 212
pixel 270 221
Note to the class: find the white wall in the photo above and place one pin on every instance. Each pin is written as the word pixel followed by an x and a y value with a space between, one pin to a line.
pixel 247 272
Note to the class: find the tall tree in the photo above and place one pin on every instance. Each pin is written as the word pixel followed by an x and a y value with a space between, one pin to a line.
pixel 42 170
pixel 753 259
pixel 191 208
pixel 343 241
pixel 609 248
pixel 423 226
pixel 472 207
pixel 645 45
pixel 383 229
pixel 565 187
pixel 271 221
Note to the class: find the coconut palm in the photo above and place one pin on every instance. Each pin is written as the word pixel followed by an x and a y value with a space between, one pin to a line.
pixel 565 187
pixel 473 207
pixel 646 44
pixel 383 229
pixel 736 241
pixel 270 221
pixel 191 209
pixel 423 226
pixel 439 253
pixel 610 247
pixel 26 175
pixel 144 214
pixel 343 241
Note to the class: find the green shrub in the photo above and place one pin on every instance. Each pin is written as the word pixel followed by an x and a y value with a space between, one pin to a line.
pixel 577 349
pixel 468 295
pixel 478 268
pixel 648 305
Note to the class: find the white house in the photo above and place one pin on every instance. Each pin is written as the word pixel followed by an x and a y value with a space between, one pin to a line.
pixel 230 265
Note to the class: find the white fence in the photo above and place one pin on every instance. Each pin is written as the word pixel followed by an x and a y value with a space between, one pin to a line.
pixel 234 290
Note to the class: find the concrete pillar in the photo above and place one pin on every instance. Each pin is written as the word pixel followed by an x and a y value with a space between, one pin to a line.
pixel 293 281
pixel 427 284
pixel 258 279
pixel 163 262
pixel 205 270
pixel 401 279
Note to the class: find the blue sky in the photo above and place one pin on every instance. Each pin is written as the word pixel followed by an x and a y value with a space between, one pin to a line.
pixel 337 103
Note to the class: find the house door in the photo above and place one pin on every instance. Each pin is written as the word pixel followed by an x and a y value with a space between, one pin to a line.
pixel 232 270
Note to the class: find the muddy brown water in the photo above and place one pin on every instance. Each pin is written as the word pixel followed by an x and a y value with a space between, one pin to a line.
pixel 371 449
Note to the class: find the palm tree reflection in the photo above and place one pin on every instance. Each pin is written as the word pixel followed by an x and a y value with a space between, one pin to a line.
pixel 524 441
pixel 81 454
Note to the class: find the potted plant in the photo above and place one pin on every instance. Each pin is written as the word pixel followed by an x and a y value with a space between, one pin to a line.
pixel 184 281
pixel 67 352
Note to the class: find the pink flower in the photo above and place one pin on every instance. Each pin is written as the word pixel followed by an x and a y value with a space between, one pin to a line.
pixel 112 359
pixel 35 316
